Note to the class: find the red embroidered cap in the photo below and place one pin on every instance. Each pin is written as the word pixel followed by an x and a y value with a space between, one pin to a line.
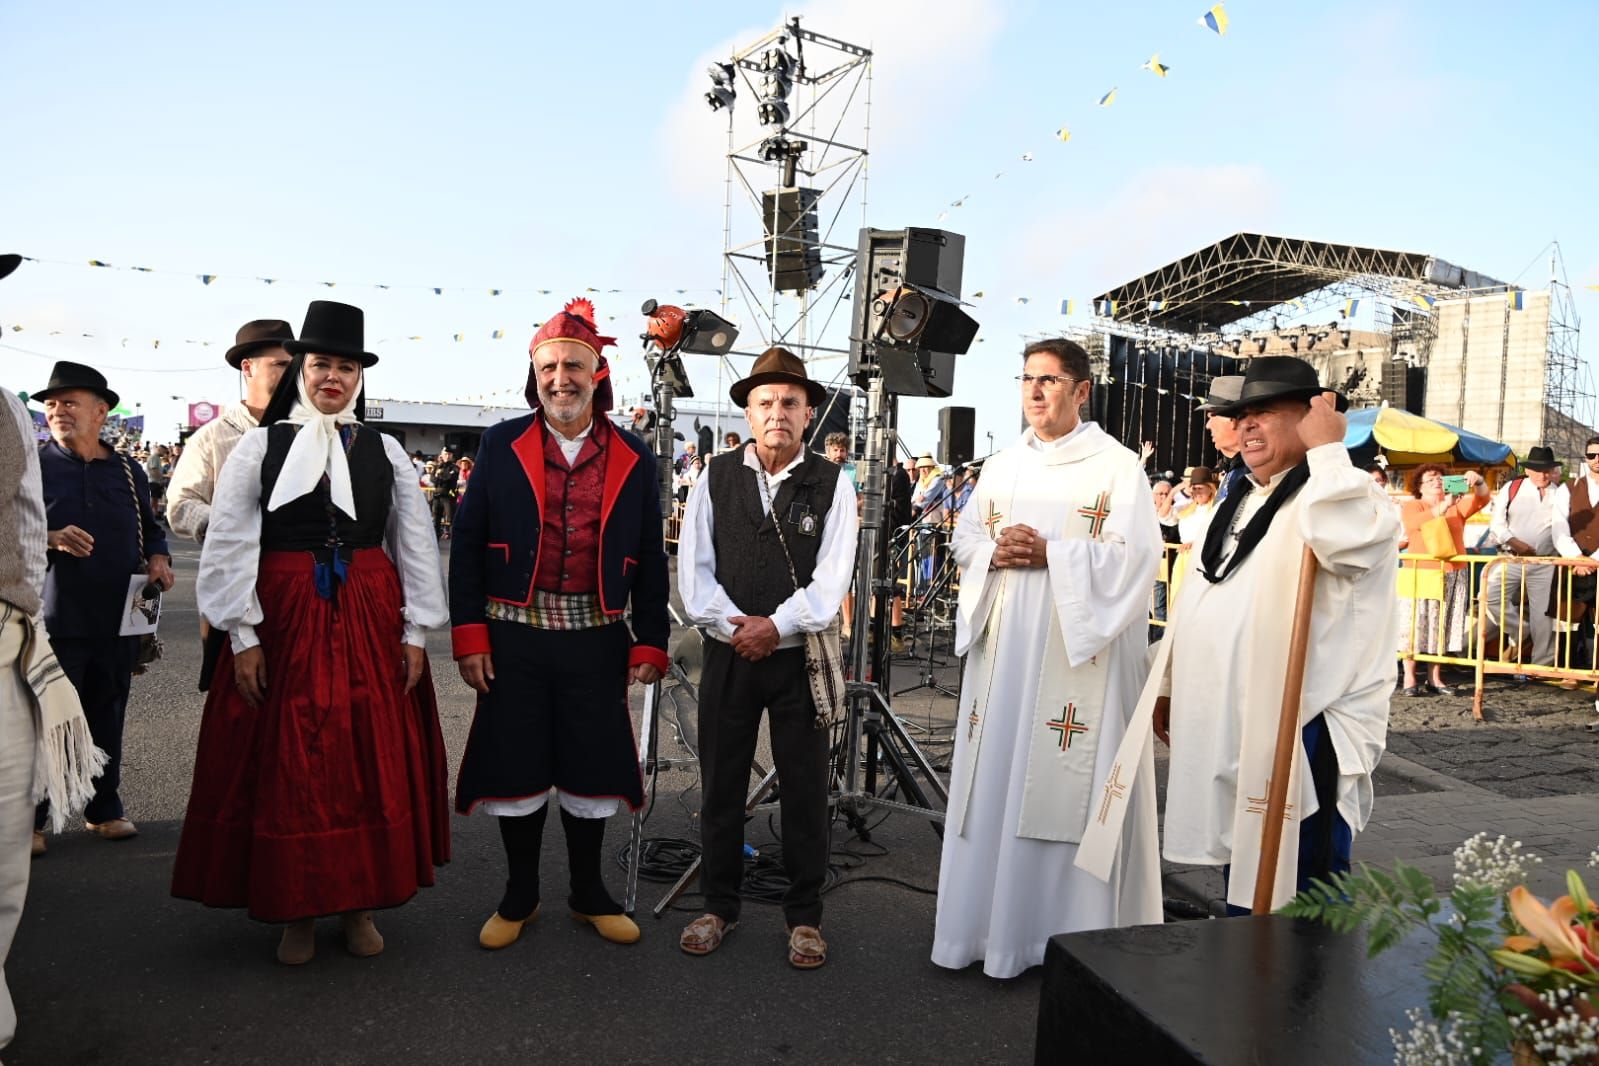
pixel 574 323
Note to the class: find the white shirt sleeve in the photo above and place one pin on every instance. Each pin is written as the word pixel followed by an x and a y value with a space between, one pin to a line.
pixel 1499 522
pixel 231 557
pixel 706 602
pixel 810 609
pixel 1344 518
pixel 192 486
pixel 411 543
pixel 1101 587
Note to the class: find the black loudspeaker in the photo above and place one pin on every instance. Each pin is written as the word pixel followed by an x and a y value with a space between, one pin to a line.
pixel 907 323
pixel 793 248
pixel 956 427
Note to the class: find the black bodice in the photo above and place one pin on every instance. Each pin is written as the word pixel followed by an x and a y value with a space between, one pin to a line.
pixel 308 523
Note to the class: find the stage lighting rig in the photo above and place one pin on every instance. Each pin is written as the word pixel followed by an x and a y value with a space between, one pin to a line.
pixel 722 92
pixel 777 79
pixel 1260 343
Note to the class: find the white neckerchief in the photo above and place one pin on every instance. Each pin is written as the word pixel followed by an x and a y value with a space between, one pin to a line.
pixel 317 450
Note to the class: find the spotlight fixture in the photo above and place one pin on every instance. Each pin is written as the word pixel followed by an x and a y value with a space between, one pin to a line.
pixel 722 92
pixel 1260 344
pixel 1311 339
pixel 776 81
pixel 1344 336
pixel 1238 342
pixel 1293 342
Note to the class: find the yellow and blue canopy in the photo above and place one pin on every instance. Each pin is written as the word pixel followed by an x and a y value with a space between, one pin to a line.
pixel 1407 439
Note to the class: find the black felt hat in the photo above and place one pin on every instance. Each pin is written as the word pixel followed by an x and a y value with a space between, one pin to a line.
pixel 253 336
pixel 1279 377
pixel 333 328
pixel 67 376
pixel 1540 457
pixel 8 263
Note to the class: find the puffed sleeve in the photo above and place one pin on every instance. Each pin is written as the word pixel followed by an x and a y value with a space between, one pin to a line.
pixel 231 555
pixel 411 543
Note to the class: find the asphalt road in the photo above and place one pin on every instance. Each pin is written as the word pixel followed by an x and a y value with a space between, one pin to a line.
pixel 108 968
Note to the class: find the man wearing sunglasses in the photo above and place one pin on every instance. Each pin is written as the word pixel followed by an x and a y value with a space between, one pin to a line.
pixel 1575 529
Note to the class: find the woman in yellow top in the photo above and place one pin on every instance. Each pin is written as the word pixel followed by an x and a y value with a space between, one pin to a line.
pixel 1437 626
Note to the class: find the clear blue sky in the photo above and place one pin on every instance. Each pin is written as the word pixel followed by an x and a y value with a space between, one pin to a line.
pixel 480 145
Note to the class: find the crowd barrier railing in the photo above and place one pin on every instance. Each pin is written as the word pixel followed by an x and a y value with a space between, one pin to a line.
pixel 1528 616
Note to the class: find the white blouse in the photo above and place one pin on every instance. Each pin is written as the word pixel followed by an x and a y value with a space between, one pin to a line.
pixel 230 559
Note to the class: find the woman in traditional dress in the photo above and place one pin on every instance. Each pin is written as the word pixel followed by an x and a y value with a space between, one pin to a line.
pixel 319 784
pixel 1433 621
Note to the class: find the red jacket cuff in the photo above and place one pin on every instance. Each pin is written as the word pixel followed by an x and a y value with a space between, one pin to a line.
pixel 470 640
pixel 644 653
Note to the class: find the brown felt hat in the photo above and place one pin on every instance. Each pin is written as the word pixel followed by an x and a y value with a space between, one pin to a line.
pixel 778 366
pixel 253 336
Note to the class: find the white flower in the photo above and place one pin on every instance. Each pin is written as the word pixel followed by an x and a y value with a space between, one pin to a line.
pixel 1567 1037
pixel 1498 864
pixel 1428 1045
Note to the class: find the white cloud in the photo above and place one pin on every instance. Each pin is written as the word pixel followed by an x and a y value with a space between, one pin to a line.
pixel 1157 215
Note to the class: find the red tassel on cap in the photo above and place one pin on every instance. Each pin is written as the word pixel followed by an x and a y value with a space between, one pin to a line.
pixel 582 307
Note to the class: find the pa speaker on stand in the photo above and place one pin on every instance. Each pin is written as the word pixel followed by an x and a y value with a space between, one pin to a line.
pixel 956 428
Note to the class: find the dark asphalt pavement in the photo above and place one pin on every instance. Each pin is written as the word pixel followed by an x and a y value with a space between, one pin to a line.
pixel 108 968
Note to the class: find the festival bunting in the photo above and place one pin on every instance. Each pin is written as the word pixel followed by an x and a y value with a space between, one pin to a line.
pixel 438 290
pixel 1108 99
pixel 1156 66
pixel 1215 20
pixel 1350 307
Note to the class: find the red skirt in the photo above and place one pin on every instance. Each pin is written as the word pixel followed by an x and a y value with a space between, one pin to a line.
pixel 330 797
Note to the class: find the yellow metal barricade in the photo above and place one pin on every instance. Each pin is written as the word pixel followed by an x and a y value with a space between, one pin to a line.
pixel 1546 617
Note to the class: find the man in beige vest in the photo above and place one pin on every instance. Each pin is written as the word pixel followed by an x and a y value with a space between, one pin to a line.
pixel 258 356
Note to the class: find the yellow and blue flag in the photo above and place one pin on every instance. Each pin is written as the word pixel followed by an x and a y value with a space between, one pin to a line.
pixel 1424 302
pixel 1350 307
pixel 1063 134
pixel 1108 99
pixel 1066 307
pixel 1517 303
pixel 1156 65
pixel 1216 20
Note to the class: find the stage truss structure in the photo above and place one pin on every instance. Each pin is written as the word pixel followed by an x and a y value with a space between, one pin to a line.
pixel 1252 294
pixel 830 115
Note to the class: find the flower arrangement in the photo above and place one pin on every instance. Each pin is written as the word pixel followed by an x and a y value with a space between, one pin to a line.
pixel 1509 975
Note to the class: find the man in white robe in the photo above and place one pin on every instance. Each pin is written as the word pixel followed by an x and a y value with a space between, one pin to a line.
pixel 1229 636
pixel 1058 547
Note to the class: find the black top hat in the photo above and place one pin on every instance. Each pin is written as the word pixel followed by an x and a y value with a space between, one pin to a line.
pixel 65 376
pixel 1539 457
pixel 778 365
pixel 333 328
pixel 8 263
pixel 1279 377
pixel 253 336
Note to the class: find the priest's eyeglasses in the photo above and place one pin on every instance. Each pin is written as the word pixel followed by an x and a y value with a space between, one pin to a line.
pixel 1050 382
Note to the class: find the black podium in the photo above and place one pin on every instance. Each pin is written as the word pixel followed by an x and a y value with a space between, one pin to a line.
pixel 1236 990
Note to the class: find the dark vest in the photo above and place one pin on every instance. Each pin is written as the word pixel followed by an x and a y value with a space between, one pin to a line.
pixel 749 560
pixel 1584 520
pixel 308 523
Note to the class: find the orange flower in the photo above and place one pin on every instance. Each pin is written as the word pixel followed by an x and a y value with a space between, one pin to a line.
pixel 1556 928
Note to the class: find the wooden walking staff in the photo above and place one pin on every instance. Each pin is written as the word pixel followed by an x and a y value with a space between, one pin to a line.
pixel 1271 834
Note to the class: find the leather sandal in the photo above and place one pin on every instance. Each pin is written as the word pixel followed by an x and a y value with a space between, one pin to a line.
pixel 806 948
pixel 705 934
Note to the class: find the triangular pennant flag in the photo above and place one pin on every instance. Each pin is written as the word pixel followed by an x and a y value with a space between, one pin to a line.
pixel 330 284
pixel 494 292
pixel 499 334
pixel 269 281
pixel 1215 19
pixel 97 263
pixel 143 270
pixel 380 286
pixel 1154 64
pixel 1108 99
pixel 438 292
pixel 1027 157
pixel 206 279
pixel 1063 134
pixel 978 295
pixel 1021 299
pixel 458 338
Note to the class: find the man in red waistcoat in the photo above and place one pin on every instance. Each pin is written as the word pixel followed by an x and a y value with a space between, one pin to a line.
pixel 559 535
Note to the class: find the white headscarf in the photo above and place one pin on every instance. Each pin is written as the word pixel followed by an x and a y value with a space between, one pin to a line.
pixel 317 450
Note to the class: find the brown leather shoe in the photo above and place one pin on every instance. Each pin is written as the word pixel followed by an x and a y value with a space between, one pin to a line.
pixel 37 848
pixel 115 829
pixel 298 945
pixel 806 948
pixel 361 936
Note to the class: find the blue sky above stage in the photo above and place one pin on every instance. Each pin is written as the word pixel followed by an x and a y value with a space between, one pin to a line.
pixel 477 146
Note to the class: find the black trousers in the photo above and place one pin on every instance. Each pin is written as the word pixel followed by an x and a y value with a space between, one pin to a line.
pixel 733 693
pixel 101 669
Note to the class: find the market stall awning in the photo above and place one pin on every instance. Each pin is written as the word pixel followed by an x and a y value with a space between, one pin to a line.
pixel 1407 439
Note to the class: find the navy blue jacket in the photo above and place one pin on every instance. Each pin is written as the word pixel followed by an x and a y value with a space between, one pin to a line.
pixel 84 597
pixel 504 507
